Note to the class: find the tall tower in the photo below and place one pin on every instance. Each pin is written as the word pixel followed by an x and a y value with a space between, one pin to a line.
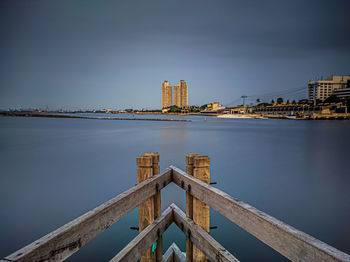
pixel 166 95
pixel 181 94
pixel 184 93
pixel 177 95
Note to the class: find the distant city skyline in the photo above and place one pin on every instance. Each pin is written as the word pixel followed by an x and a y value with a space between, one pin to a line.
pixel 111 54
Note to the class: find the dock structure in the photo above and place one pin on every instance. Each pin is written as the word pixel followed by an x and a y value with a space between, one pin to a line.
pixel 200 195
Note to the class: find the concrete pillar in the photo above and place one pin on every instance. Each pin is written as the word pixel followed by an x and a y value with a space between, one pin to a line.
pixel 200 210
pixel 146 209
pixel 157 203
pixel 189 206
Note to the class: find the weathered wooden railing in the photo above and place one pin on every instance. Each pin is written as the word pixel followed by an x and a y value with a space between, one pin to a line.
pixel 63 242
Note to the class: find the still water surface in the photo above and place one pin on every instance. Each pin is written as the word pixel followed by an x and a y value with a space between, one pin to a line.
pixel 54 170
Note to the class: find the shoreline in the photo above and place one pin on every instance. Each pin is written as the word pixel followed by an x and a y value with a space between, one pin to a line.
pixel 16 114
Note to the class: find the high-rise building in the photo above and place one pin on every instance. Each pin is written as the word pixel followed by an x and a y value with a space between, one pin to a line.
pixel 343 92
pixel 166 95
pixel 177 95
pixel 322 89
pixel 181 94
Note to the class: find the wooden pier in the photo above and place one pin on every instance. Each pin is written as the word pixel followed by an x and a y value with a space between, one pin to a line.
pixel 200 246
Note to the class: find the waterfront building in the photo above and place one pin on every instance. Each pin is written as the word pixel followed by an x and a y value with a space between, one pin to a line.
pixel 166 95
pixel 344 92
pixel 181 94
pixel 322 89
pixel 213 106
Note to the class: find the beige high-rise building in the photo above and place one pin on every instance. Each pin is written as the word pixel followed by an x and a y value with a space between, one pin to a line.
pixel 181 94
pixel 166 95
pixel 177 95
pixel 322 89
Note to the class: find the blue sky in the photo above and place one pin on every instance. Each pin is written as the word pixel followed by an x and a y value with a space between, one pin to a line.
pixel 115 54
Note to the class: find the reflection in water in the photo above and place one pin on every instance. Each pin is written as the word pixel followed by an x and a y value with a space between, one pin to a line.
pixel 174 143
pixel 53 170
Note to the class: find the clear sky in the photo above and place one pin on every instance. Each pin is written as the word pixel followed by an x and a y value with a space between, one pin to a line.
pixel 115 54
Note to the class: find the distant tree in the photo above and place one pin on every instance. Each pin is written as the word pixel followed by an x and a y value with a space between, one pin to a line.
pixel 258 100
pixel 293 102
pixel 263 104
pixel 174 109
pixel 203 107
pixel 332 99
pixel 279 100
pixel 303 101
pixel 272 101
pixel 287 102
pixel 194 109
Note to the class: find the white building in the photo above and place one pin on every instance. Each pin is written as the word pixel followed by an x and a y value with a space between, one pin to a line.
pixel 322 89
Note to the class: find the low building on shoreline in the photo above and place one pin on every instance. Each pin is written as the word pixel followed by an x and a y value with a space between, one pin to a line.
pixel 322 89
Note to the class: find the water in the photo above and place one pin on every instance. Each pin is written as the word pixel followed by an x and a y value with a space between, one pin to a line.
pixel 54 170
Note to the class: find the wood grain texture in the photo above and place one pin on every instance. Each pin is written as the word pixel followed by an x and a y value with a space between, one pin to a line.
pixel 144 240
pixel 189 206
pixel 178 255
pixel 146 209
pixel 157 202
pixel 290 242
pixel 168 255
pixel 174 254
pixel 66 240
pixel 208 245
pixel 201 210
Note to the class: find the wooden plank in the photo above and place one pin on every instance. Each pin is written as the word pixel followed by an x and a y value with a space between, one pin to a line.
pixel 208 245
pixel 144 240
pixel 174 254
pixel 169 255
pixel 66 240
pixel 178 255
pixel 290 242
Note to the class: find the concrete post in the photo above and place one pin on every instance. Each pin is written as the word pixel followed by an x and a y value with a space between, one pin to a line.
pixel 200 210
pixel 189 206
pixel 157 203
pixel 146 209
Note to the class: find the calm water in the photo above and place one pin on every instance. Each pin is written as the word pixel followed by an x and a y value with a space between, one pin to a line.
pixel 53 170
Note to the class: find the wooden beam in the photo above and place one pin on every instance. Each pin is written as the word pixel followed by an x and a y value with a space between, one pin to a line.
pixel 178 255
pixel 168 255
pixel 290 242
pixel 144 240
pixel 174 254
pixel 66 240
pixel 207 244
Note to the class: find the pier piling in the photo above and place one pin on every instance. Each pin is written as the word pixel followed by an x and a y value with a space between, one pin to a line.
pixel 189 206
pixel 157 203
pixel 146 209
pixel 200 210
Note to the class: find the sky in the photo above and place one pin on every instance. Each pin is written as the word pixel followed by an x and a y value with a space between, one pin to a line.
pixel 86 54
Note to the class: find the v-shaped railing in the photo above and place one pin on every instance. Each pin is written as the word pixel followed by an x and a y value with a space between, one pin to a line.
pixel 66 240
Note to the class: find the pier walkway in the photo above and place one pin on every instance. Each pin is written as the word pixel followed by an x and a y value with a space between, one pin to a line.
pixel 200 246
